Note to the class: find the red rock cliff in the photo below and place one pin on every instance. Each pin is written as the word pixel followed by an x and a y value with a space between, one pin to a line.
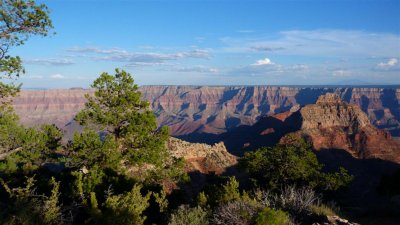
pixel 334 124
pixel 207 109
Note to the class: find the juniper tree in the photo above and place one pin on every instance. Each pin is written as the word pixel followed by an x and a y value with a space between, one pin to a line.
pixel 19 19
pixel 117 111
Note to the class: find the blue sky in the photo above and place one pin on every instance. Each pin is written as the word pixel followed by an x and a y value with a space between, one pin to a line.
pixel 221 42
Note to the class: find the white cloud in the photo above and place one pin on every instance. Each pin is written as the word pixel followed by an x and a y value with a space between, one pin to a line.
pixel 270 70
pixel 194 69
pixel 140 58
pixel 49 62
pixel 320 43
pixel 57 76
pixel 262 62
pixel 266 48
pixel 33 77
pixel 392 62
pixel 341 73
pixel 96 50
pixel 298 67
pixel 143 64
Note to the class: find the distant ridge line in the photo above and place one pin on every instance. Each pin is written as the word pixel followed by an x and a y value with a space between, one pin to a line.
pixel 197 86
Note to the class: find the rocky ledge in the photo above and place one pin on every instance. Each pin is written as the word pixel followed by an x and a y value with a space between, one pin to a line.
pixel 335 220
pixel 202 157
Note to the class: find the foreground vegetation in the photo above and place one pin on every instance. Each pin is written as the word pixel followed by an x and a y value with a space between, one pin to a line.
pixel 117 170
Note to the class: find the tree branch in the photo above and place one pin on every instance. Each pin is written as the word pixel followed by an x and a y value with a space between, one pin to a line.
pixel 4 155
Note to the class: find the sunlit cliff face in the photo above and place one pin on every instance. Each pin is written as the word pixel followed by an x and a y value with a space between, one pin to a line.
pixel 188 109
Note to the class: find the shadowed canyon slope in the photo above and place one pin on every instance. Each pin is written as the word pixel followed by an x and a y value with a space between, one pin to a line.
pixel 334 124
pixel 213 110
pixel 330 123
pixel 342 136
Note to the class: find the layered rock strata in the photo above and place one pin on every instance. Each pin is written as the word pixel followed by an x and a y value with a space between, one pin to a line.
pixel 334 124
pixel 328 124
pixel 214 110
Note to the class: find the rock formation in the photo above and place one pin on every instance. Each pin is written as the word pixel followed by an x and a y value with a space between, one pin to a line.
pixel 334 124
pixel 202 157
pixel 329 124
pixel 329 111
pixel 202 109
pixel 342 136
pixel 214 110
pixel 334 220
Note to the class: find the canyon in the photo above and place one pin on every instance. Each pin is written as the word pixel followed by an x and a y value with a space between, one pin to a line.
pixel 341 135
pixel 330 123
pixel 352 127
pixel 193 111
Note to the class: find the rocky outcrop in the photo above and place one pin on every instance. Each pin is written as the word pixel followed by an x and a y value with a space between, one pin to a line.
pixel 330 123
pixel 334 124
pixel 342 136
pixel 330 111
pixel 334 220
pixel 202 157
pixel 214 110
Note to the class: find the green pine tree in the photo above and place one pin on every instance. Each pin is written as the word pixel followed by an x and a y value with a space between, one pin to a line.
pixel 116 110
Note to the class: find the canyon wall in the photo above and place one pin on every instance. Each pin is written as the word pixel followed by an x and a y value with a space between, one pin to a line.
pixel 334 124
pixel 58 107
pixel 209 109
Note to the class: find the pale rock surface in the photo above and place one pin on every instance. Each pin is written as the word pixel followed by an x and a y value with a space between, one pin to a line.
pixel 202 157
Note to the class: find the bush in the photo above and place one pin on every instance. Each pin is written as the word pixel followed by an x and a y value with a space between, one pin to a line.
pixel 202 199
pixel 235 212
pixel 26 206
pixel 223 193
pixel 189 216
pixel 321 209
pixel 269 216
pixel 230 191
pixel 297 201
pixel 127 208
pixel 292 164
pixel 25 149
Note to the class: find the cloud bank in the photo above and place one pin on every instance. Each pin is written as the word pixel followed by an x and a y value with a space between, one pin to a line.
pixel 139 58
pixel 57 76
pixel 390 63
pixel 49 62
pixel 320 43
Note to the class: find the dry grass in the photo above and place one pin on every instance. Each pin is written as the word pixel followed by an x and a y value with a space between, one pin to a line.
pixel 324 210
